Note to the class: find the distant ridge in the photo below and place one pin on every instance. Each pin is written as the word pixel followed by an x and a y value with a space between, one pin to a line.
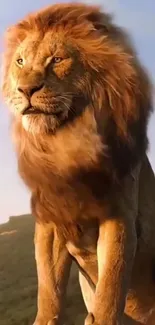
pixel 14 221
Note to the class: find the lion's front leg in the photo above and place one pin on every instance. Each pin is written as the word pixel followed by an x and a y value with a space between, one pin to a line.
pixel 116 248
pixel 53 267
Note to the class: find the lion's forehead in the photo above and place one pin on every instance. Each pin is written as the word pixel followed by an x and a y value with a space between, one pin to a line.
pixel 38 48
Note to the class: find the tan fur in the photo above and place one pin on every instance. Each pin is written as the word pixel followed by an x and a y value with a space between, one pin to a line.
pixel 80 132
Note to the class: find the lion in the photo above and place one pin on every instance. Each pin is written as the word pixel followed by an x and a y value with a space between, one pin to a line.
pixel 80 102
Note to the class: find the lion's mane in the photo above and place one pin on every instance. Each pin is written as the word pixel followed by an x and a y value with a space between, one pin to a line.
pixel 116 84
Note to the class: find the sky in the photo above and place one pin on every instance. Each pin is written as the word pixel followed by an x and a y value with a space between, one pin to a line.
pixel 138 17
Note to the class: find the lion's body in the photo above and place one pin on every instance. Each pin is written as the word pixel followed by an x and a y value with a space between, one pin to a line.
pixel 81 102
pixel 140 304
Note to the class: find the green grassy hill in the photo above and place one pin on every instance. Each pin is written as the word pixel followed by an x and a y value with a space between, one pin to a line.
pixel 18 281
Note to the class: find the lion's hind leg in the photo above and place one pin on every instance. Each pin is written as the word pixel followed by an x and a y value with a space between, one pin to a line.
pixel 87 292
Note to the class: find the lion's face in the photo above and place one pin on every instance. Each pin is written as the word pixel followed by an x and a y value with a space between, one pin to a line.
pixel 44 82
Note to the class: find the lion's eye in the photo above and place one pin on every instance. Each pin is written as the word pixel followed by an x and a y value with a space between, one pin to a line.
pixel 57 59
pixel 20 62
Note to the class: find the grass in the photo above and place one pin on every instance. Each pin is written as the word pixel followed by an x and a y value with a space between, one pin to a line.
pixel 18 280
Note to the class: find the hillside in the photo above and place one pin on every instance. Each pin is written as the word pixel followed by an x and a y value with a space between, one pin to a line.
pixel 18 281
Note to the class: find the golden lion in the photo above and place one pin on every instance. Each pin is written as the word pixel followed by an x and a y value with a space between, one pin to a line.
pixel 80 103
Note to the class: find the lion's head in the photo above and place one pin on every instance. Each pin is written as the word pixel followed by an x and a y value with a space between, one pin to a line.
pixel 71 56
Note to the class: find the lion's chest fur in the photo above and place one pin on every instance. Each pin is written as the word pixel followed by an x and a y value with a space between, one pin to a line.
pixel 58 171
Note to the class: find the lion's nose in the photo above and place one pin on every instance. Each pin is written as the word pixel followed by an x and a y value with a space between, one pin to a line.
pixel 29 90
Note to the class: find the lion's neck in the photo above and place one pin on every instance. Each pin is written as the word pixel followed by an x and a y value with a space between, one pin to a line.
pixel 73 147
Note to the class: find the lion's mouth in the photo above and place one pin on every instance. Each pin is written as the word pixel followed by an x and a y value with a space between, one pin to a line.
pixel 36 111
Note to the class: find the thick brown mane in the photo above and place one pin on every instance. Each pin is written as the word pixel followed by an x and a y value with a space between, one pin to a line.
pixel 115 82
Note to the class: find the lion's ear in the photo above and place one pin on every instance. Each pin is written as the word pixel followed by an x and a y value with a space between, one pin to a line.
pixel 101 22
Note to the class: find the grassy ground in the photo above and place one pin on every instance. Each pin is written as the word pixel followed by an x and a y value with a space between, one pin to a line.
pixel 18 281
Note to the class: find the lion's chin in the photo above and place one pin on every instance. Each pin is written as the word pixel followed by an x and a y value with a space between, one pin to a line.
pixel 38 124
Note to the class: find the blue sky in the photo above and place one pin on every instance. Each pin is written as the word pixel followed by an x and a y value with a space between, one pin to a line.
pixel 138 17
